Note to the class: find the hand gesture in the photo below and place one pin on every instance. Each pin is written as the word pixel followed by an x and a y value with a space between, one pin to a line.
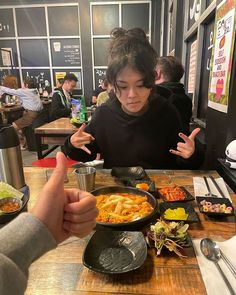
pixel 186 149
pixel 80 138
pixel 65 212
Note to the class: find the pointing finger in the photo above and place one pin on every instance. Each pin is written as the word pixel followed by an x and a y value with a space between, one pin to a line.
pixel 194 133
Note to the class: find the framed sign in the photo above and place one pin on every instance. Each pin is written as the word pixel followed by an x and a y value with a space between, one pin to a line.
pixel 222 55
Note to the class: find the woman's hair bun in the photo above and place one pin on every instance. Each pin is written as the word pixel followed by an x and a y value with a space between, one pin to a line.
pixel 133 33
pixel 117 32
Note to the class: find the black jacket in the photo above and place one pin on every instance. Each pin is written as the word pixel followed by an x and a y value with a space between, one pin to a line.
pixel 125 140
pixel 181 101
pixel 60 106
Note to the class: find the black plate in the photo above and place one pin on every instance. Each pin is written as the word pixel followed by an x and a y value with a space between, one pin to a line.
pixel 132 225
pixel 213 200
pixel 129 172
pixel 115 253
pixel 189 197
pixel 133 183
pixel 192 215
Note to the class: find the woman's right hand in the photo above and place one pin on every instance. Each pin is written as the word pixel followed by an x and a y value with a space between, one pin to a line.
pixel 80 138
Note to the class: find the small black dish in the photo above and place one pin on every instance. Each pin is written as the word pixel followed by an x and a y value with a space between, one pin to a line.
pixel 135 183
pixel 192 215
pixel 213 201
pixel 115 253
pixel 129 172
pixel 189 197
pixel 7 217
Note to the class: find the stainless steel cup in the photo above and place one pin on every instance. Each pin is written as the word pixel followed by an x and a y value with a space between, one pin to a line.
pixel 86 178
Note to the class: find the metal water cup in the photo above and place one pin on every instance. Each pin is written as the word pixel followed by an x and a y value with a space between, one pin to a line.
pixel 86 178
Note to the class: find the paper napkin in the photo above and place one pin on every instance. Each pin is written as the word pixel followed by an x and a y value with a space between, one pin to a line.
pixel 200 188
pixel 213 280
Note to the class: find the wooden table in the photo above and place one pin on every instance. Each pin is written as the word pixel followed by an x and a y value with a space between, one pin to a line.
pixel 61 271
pixel 56 131
pixel 12 113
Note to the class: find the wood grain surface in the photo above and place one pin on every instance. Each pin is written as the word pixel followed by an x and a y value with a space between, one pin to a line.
pixel 61 271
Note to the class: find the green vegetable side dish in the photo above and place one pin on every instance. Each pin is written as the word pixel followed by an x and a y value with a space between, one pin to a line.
pixel 7 191
pixel 172 235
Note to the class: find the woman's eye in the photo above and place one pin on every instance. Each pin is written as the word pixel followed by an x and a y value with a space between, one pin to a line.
pixel 140 86
pixel 122 87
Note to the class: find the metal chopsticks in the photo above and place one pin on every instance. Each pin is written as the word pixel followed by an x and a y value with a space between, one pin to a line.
pixel 217 187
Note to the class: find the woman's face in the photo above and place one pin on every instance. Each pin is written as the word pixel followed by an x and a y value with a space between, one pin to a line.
pixel 131 93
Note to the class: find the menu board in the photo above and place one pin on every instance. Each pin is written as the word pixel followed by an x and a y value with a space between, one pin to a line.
pixel 205 70
pixel 6 23
pixel 34 53
pixel 63 20
pixel 136 15
pixel 40 76
pixel 65 52
pixel 31 21
pixel 100 75
pixel 193 12
pixel 8 56
pixel 100 47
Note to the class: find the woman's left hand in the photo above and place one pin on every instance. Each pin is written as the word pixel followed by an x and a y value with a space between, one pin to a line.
pixel 187 148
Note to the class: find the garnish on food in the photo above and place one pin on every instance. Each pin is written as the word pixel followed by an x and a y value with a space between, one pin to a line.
pixel 176 214
pixel 143 185
pixel 172 235
pixel 173 193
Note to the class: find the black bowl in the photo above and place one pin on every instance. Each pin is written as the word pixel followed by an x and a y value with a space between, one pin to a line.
pixel 116 253
pixel 7 217
pixel 132 225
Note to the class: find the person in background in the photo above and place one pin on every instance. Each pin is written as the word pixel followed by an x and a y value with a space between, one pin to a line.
pixel 138 126
pixel 61 99
pixel 9 81
pixel 28 95
pixel 59 83
pixel 58 214
pixel 104 95
pixel 101 88
pixel 169 71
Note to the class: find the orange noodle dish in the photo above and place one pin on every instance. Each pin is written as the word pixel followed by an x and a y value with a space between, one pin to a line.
pixel 122 207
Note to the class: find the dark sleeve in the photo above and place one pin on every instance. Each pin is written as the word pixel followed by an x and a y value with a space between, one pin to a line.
pixel 58 110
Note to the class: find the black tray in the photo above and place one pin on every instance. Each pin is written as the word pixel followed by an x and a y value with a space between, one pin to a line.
pixel 213 200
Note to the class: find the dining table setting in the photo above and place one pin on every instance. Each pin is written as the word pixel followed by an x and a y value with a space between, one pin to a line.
pixel 169 246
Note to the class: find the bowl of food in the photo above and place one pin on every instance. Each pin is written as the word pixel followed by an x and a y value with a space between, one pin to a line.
pixel 10 207
pixel 124 208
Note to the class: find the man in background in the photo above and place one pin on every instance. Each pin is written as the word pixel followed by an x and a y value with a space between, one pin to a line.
pixel 61 99
pixel 169 71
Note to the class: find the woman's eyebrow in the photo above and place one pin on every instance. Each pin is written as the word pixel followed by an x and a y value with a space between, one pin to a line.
pixel 121 81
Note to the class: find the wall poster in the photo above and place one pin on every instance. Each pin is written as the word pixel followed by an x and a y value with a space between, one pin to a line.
pixel 192 67
pixel 222 54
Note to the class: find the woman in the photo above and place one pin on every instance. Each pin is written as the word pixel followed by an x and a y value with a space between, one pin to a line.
pixel 137 126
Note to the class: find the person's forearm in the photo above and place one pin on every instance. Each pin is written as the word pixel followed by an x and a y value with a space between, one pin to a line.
pixel 7 90
pixel 25 239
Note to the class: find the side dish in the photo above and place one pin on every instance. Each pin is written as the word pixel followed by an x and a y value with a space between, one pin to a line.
pixel 173 193
pixel 9 207
pixel 122 207
pixel 176 214
pixel 218 208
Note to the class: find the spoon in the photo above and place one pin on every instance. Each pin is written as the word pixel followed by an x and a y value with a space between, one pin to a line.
pixel 220 254
pixel 209 194
pixel 209 251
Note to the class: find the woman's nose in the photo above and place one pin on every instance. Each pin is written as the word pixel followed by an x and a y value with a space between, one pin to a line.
pixel 132 92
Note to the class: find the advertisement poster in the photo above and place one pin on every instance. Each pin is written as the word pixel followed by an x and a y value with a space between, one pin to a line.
pixel 192 67
pixel 222 55
pixel 6 56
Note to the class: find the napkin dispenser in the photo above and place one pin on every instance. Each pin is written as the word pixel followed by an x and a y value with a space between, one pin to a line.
pixel 11 166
